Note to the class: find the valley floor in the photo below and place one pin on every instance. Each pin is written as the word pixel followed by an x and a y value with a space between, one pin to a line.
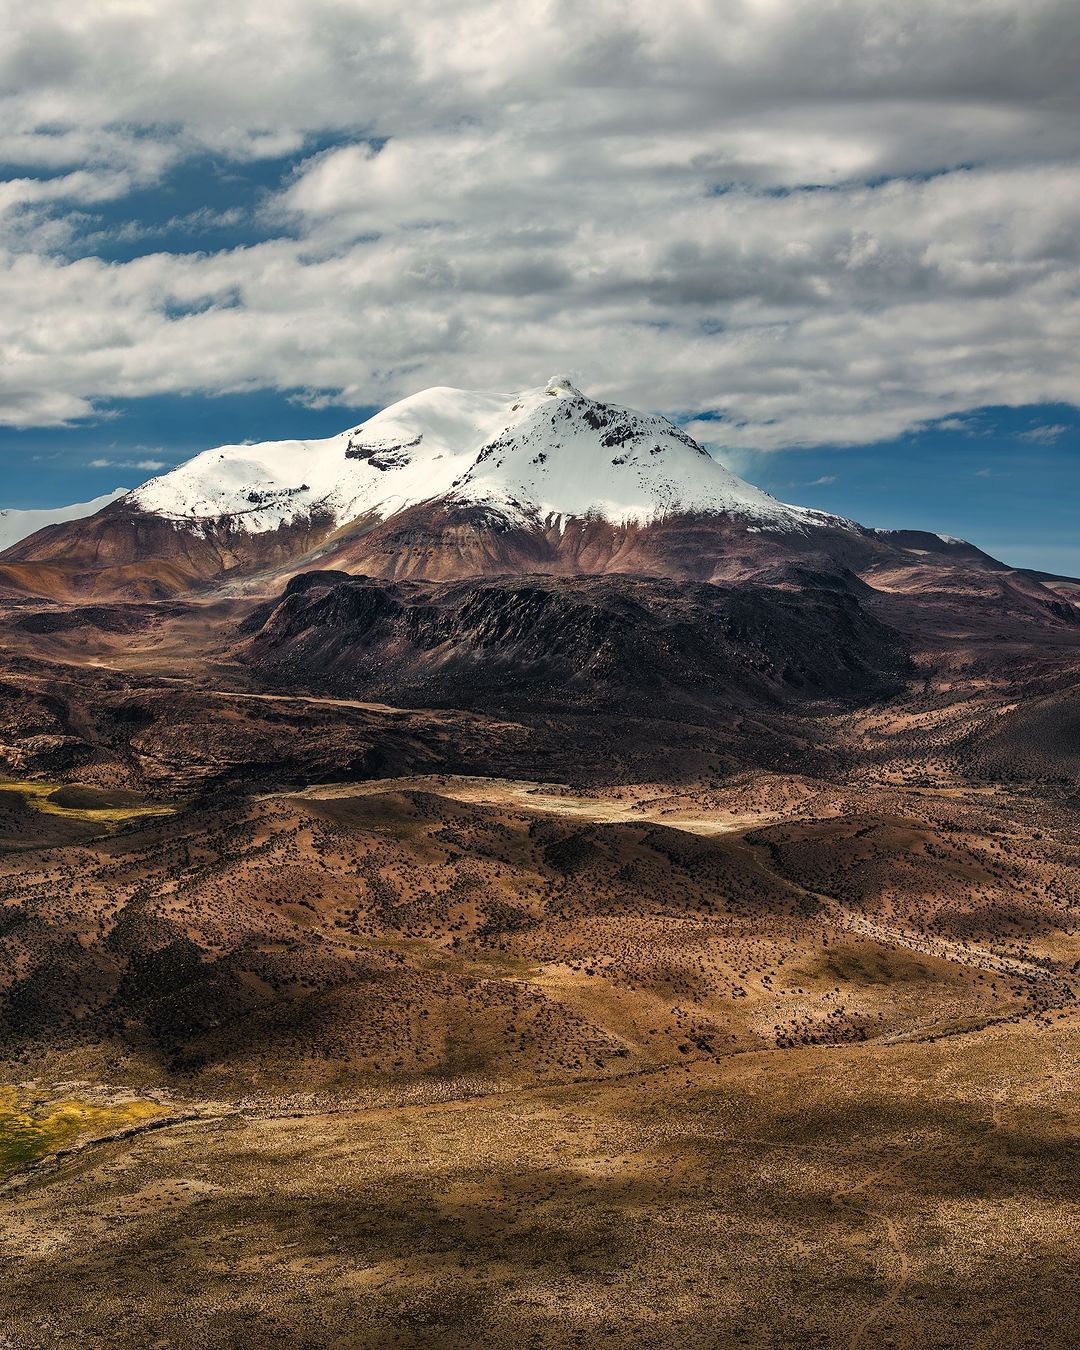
pixel 914 1194
pixel 483 1061
pixel 691 1012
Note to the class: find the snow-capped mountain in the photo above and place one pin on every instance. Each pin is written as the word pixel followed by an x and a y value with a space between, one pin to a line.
pixel 19 524
pixel 452 484
pixel 532 457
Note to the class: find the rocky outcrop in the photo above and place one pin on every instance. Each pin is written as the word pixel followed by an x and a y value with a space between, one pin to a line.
pixel 599 642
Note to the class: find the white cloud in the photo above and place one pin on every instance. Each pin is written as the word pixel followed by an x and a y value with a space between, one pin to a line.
pixel 607 188
pixel 150 465
pixel 1044 435
pixel 80 187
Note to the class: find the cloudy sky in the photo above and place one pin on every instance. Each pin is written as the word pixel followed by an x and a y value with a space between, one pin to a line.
pixel 840 239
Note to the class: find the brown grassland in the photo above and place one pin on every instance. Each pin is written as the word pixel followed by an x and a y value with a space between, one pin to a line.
pixel 747 1018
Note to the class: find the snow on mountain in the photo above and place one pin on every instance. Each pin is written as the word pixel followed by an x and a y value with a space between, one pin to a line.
pixel 19 524
pixel 533 457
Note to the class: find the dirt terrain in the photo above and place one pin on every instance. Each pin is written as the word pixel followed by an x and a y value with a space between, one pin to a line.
pixel 622 1015
pixel 437 1060
pixel 909 1194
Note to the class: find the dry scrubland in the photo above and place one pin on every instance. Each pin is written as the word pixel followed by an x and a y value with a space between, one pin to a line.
pixel 762 1032
pixel 440 1061
pixel 860 1196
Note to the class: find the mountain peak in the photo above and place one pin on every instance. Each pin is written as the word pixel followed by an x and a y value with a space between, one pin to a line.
pixel 539 455
pixel 561 386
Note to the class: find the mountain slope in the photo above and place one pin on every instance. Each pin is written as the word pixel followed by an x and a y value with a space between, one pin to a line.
pixel 452 484
pixel 630 643
pixel 18 524
pixel 446 484
pixel 531 457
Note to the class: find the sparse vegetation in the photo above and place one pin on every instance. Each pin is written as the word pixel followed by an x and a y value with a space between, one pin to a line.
pixel 91 805
pixel 746 1023
pixel 34 1124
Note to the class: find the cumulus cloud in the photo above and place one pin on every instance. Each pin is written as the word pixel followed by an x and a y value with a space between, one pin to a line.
pixel 816 224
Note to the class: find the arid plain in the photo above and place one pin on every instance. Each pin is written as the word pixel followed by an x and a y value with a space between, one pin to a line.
pixel 332 1022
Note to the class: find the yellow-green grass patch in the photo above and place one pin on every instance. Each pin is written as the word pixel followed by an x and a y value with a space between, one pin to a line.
pixel 43 797
pixel 32 1127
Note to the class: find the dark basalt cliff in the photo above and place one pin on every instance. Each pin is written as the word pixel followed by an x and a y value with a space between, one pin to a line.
pixel 592 641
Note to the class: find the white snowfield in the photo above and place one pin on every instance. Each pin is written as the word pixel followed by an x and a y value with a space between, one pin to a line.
pixel 541 456
pixel 17 524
